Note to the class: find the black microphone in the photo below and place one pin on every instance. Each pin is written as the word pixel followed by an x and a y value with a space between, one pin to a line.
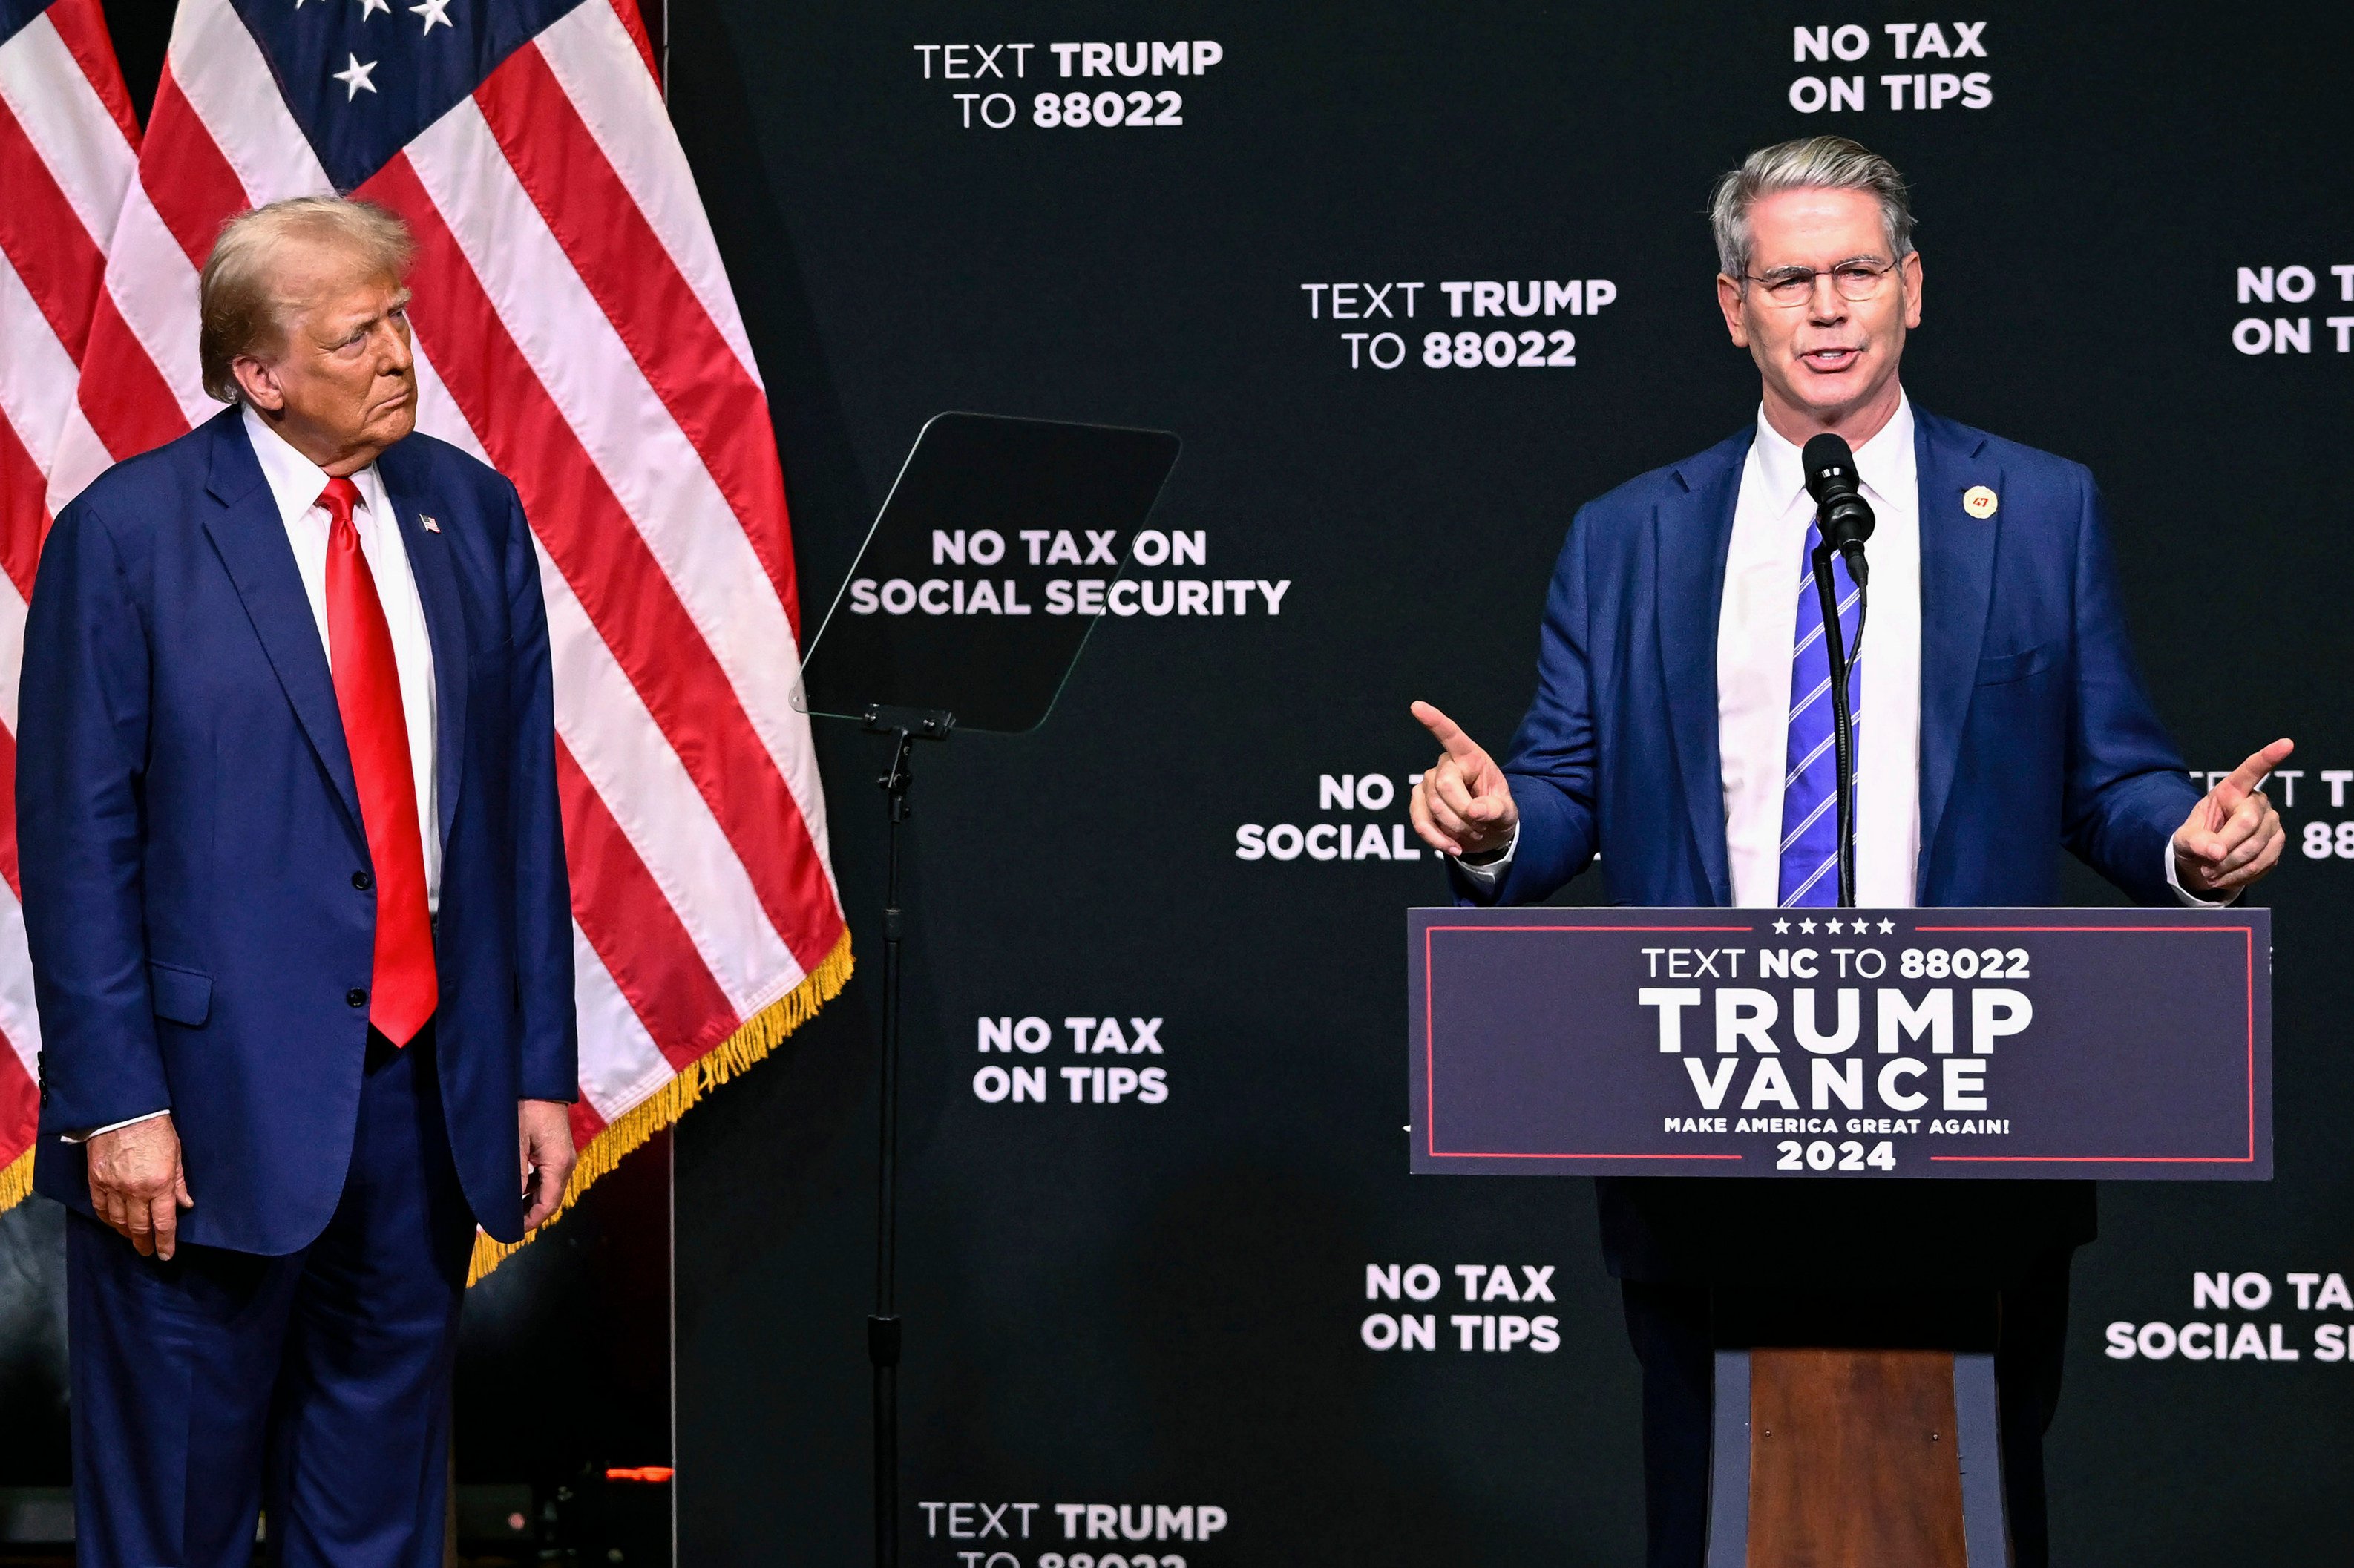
pixel 1845 515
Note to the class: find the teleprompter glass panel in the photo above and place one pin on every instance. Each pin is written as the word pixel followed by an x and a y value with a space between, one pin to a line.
pixel 994 557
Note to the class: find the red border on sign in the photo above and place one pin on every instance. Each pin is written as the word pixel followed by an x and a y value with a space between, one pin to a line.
pixel 1430 1071
pixel 1430 1084
pixel 2248 936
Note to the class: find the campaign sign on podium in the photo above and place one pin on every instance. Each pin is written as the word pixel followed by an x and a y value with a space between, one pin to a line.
pixel 2123 1045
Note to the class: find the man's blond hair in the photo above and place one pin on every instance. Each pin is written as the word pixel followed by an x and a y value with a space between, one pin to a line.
pixel 239 311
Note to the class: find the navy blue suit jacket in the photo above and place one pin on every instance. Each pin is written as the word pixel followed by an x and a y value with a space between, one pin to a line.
pixel 190 837
pixel 2037 735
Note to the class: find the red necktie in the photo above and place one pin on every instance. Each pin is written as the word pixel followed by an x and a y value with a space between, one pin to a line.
pixel 367 692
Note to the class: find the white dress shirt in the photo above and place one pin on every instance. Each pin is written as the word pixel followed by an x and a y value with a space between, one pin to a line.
pixel 295 484
pixel 1765 562
pixel 1757 625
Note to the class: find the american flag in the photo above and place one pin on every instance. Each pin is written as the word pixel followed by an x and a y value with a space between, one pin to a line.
pixel 573 329
pixel 69 147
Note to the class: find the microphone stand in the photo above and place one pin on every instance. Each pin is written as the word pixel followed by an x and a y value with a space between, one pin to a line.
pixel 1842 660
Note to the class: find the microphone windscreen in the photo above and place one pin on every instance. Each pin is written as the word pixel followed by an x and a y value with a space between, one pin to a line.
pixel 1823 454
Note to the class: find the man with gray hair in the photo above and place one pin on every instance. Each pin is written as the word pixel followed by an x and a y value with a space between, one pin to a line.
pixel 294 886
pixel 1681 722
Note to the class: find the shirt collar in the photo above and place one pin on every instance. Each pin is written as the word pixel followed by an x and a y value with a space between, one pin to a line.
pixel 294 480
pixel 1884 463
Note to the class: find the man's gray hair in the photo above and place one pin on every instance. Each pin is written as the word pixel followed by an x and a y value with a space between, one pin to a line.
pixel 239 313
pixel 1810 162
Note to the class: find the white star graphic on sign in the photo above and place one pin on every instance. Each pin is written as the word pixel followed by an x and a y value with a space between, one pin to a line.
pixel 433 11
pixel 1833 926
pixel 370 7
pixel 1781 927
pixel 1808 927
pixel 355 76
pixel 1887 927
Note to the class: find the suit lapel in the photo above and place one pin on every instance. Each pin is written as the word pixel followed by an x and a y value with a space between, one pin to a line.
pixel 445 625
pixel 1958 554
pixel 251 538
pixel 1694 532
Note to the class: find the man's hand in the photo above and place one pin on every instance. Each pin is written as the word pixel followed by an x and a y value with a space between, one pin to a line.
pixel 136 1183
pixel 2233 836
pixel 544 1130
pixel 1462 806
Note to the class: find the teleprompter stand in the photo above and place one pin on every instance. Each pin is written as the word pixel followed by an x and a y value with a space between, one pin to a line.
pixel 904 726
pixel 966 608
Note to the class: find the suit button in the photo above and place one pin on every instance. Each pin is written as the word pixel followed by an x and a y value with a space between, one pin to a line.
pixel 362 881
pixel 357 996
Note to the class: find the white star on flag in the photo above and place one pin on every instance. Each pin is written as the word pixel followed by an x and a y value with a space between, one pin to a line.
pixel 370 7
pixel 433 11
pixel 355 76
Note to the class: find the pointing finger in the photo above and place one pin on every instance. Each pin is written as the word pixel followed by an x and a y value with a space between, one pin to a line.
pixel 1446 732
pixel 2251 773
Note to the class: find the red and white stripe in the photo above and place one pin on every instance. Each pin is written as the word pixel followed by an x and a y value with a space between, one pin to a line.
pixel 575 330
pixel 69 145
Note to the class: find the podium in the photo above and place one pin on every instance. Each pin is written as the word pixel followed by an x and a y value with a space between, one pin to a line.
pixel 1858 1046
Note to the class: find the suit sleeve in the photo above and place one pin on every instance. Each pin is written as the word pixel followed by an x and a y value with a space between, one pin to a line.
pixel 1550 768
pixel 81 755
pixel 2127 787
pixel 550 1033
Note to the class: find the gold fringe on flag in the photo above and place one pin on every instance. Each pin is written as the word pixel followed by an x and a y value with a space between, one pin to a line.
pixel 15 1180
pixel 753 1040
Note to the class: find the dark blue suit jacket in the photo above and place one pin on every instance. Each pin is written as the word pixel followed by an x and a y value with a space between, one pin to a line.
pixel 190 832
pixel 2036 735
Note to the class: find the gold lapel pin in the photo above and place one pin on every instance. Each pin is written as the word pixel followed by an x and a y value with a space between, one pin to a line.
pixel 1979 501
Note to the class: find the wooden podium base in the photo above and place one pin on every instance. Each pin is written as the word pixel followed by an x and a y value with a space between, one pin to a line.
pixel 1838 1459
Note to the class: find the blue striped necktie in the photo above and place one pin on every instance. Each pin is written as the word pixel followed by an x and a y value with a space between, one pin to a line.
pixel 1810 809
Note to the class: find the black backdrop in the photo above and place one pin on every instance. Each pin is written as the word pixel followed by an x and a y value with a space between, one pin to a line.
pixel 1162 1304
pixel 1132 1304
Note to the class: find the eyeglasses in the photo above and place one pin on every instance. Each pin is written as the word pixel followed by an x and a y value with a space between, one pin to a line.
pixel 1793 286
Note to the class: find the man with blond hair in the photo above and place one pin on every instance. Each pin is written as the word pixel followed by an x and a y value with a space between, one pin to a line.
pixel 1682 724
pixel 295 885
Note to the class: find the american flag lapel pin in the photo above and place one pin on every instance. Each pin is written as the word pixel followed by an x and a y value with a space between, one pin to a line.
pixel 431 527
